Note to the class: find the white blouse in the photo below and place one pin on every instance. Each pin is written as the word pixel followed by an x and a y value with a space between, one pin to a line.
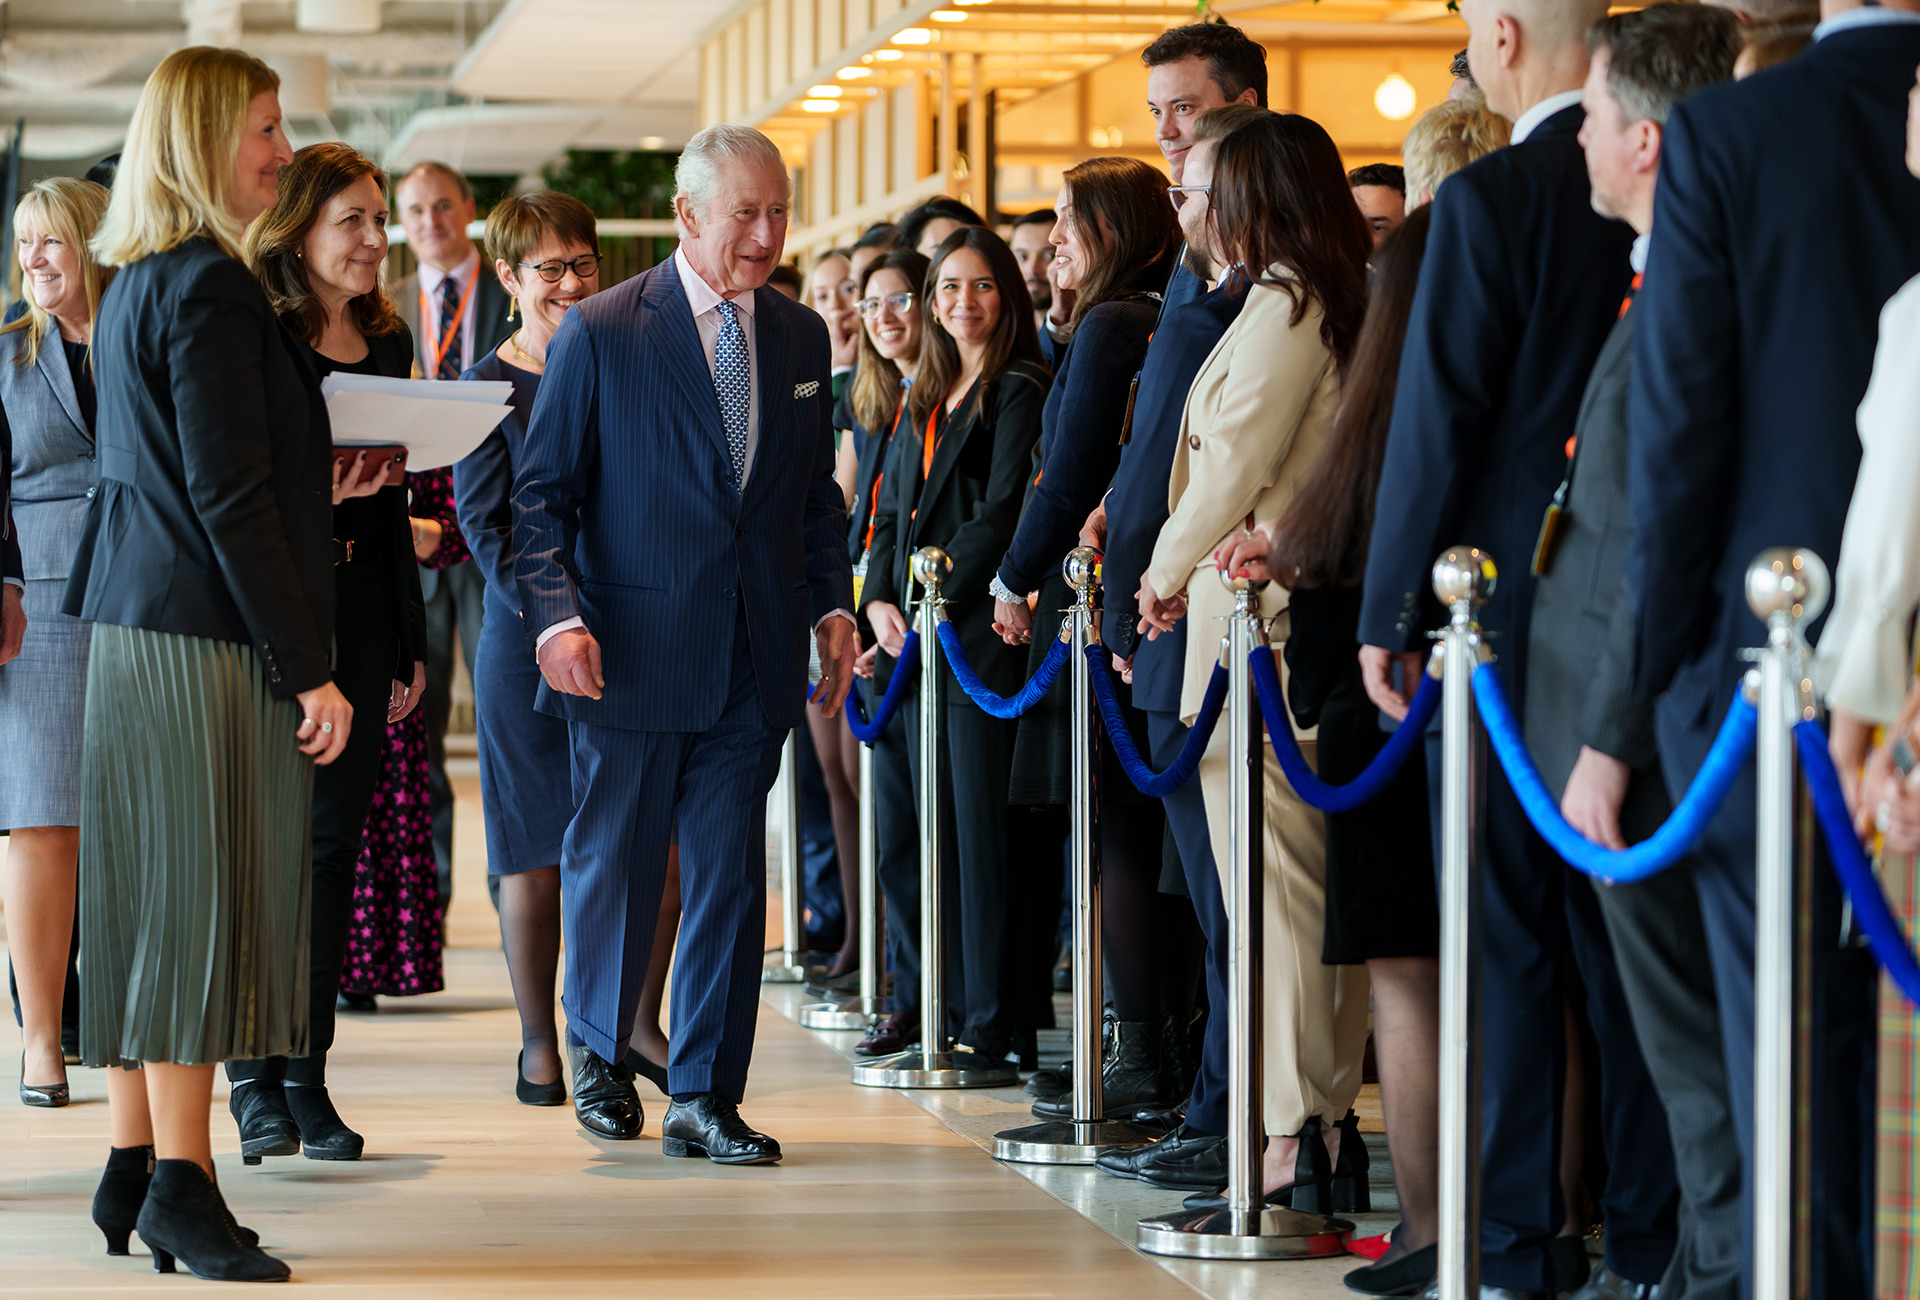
pixel 1864 659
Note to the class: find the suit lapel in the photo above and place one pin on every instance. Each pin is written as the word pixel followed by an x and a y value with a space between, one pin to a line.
pixel 770 369
pixel 671 324
pixel 52 364
pixel 946 454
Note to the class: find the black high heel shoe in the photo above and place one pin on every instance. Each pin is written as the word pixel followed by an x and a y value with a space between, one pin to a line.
pixel 323 1134
pixel 52 1095
pixel 1309 1192
pixel 184 1217
pixel 123 1190
pixel 259 1107
pixel 1351 1190
pixel 536 1094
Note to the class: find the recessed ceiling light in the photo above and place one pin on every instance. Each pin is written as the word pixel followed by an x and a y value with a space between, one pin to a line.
pixel 888 56
pixel 913 36
pixel 825 92
pixel 948 16
pixel 853 73
pixel 820 105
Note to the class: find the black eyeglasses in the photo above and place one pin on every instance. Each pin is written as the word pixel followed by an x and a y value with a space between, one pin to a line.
pixel 901 303
pixel 1178 193
pixel 586 266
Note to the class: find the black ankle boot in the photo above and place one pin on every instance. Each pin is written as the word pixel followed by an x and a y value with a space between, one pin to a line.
pixel 185 1217
pixel 1131 1077
pixel 259 1107
pixel 1181 1051
pixel 323 1134
pixel 122 1191
pixel 1351 1189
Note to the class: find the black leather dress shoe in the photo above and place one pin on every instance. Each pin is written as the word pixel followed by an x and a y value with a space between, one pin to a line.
pixel 709 1125
pixel 1183 1149
pixel 896 1033
pixel 1406 1275
pixel 604 1099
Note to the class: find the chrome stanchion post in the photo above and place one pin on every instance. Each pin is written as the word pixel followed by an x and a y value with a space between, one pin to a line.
pixel 791 968
pixel 1247 1228
pixel 859 1013
pixel 934 1064
pixel 1080 1140
pixel 1786 588
pixel 1463 579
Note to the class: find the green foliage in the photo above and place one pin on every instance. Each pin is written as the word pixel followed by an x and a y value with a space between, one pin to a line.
pixel 489 190
pixel 616 183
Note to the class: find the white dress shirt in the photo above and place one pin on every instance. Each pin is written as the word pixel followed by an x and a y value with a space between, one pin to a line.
pixel 430 327
pixel 1864 662
pixel 1525 124
pixel 1873 15
pixel 704 301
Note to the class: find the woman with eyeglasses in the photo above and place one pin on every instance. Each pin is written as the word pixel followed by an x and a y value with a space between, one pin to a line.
pixel 1115 240
pixel 957 473
pixel 892 331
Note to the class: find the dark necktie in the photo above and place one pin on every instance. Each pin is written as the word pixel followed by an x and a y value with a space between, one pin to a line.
pixel 449 365
pixel 732 384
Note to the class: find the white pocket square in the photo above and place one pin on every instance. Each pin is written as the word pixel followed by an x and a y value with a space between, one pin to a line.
pixel 807 389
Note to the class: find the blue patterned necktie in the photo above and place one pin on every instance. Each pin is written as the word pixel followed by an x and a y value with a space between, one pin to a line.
pixel 731 383
pixel 449 366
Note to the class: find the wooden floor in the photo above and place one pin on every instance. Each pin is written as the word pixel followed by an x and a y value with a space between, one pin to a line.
pixel 465 1193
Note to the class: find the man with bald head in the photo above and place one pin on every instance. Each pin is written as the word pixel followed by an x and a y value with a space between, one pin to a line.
pixel 1520 287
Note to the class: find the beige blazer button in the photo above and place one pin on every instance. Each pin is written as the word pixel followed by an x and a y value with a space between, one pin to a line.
pixel 1193 441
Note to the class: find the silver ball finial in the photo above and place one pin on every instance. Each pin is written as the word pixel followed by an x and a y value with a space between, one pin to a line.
pixel 1790 580
pixel 1081 568
pixel 1232 583
pixel 931 566
pixel 1464 573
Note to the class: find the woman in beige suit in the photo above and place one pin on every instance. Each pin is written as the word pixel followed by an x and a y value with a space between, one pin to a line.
pixel 1271 194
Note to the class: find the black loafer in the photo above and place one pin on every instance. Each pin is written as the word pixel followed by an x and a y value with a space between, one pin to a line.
pixel 710 1125
pixel 604 1100
pixel 896 1033
pixel 1183 1144
pixel 1407 1275
pixel 1193 1166
pixel 528 1093
pixel 259 1107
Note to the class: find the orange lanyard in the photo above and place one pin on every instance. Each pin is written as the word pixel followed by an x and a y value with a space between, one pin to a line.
pixel 873 494
pixel 449 330
pixel 931 442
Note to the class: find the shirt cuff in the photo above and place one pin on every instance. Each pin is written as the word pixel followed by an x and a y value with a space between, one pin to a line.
pixel 838 613
pixel 841 370
pixel 564 625
pixel 12 581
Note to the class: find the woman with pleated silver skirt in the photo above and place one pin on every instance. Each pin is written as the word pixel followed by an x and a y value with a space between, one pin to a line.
pixel 206 567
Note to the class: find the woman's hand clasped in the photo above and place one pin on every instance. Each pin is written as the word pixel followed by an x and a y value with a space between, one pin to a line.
pixel 1014 622
pixel 325 720
pixel 889 628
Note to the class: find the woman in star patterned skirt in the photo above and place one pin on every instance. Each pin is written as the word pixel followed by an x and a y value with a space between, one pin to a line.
pixel 393 946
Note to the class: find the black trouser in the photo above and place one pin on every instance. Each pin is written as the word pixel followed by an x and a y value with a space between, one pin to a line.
pixel 897 845
pixel 454 597
pixel 365 645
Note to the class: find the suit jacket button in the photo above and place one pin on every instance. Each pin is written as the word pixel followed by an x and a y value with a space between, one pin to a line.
pixel 728 592
pixel 90 492
pixel 739 532
pixel 1193 441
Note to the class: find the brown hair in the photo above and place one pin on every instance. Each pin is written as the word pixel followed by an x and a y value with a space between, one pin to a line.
pixel 70 210
pixel 1774 38
pixel 1014 338
pixel 438 169
pixel 1120 209
pixel 1280 199
pixel 876 379
pixel 317 173
pixel 518 224
pixel 1236 62
pixel 1323 540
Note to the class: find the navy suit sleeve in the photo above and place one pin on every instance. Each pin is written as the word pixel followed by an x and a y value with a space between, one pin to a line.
pixel 483 491
pixel 561 452
pixel 1451 378
pixel 1680 411
pixel 829 570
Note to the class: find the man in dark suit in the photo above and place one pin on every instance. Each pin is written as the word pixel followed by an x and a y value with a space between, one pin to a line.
pixel 1191 71
pixel 1592 734
pixel 458 313
pixel 1784 221
pixel 677 507
pixel 1521 282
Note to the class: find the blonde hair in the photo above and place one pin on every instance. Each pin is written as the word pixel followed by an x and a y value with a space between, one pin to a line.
pixel 1448 137
pixel 69 210
pixel 176 171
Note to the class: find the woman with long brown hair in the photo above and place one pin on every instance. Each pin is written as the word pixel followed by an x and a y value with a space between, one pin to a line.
pixel 955 478
pixel 319 253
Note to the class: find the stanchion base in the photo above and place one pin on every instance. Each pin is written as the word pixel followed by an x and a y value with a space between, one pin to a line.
pixel 1063 1142
pixel 960 1068
pixel 836 1015
pixel 781 972
pixel 1273 1234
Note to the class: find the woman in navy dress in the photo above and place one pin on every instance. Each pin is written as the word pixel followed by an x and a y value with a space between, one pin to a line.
pixel 546 250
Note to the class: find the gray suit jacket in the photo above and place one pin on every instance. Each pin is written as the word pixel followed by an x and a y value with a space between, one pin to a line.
pixel 53 461
pixel 490 324
pixel 1580 647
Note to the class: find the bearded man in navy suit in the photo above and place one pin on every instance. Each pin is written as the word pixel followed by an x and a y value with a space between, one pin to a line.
pixel 679 533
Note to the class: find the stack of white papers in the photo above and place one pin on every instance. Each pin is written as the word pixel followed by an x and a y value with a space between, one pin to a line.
pixel 437 421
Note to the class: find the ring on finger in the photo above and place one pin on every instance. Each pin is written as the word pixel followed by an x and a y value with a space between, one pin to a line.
pixel 326 728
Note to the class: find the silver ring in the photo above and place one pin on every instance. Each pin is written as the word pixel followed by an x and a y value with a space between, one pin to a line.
pixel 306 722
pixel 326 728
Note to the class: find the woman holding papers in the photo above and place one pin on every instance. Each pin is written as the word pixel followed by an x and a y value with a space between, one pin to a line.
pixel 545 250
pixel 205 566
pixel 319 252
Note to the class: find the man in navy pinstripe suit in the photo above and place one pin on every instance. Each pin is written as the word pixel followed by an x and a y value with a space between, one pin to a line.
pixel 680 532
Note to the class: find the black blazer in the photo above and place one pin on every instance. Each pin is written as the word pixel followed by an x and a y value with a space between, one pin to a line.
pixel 1520 285
pixel 215 507
pixel 10 564
pixel 968 506
pixel 1784 220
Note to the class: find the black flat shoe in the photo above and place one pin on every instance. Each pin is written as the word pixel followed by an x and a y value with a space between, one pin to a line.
pixel 362 1003
pixel 323 1134
pixel 710 1125
pixel 643 1067
pixel 185 1217
pixel 259 1107
pixel 536 1094
pixel 1407 1275
pixel 604 1100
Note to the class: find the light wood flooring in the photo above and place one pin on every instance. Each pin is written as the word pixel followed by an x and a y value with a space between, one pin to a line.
pixel 465 1193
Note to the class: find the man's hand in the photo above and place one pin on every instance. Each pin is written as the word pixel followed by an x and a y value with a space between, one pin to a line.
pixel 406 695
pixel 13 622
pixel 1158 614
pixel 1595 792
pixel 1014 622
pixel 1124 667
pixel 889 626
pixel 1094 532
pixel 839 646
pixel 570 662
pixel 1376 670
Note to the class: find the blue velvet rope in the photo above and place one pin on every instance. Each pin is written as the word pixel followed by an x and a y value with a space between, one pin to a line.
pixel 1306 783
pixel 866 732
pixel 1850 863
pixel 1155 785
pixel 1001 706
pixel 1684 825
